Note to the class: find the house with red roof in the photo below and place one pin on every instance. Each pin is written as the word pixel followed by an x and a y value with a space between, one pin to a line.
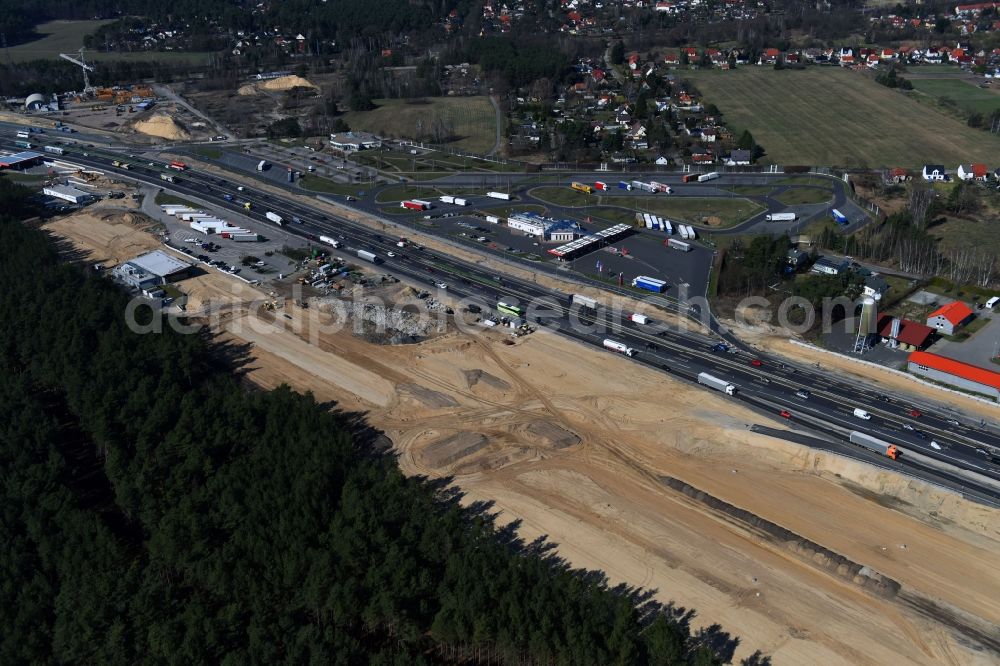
pixel 769 56
pixel 633 61
pixel 955 373
pixel 949 318
pixel 973 172
pixel 912 335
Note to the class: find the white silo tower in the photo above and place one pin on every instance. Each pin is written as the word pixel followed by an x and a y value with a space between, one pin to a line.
pixel 867 324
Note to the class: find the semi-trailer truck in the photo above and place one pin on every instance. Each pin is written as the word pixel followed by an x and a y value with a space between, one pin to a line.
pixel 177 165
pixel 714 382
pixel 688 177
pixel 411 205
pixel 874 444
pixel 676 244
pixel 426 204
pixel 274 217
pixel 649 284
pixel 780 217
pixel 603 187
pixel 641 186
pixel 584 301
pixel 167 177
pixel 707 176
pixel 692 234
pixel 329 241
pixel 622 185
pixel 661 187
pixel 55 150
pixel 369 256
pixel 460 202
pixel 639 318
pixel 498 195
pixel 447 198
pixel 619 347
pixel 580 187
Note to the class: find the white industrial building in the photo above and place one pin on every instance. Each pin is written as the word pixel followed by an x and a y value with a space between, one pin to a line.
pixel 560 231
pixel 67 193
pixel 164 267
pixel 352 142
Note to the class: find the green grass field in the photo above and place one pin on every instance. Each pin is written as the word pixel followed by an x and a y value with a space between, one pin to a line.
pixel 804 195
pixel 326 186
pixel 67 36
pixel 965 94
pixel 694 210
pixel 833 117
pixel 472 118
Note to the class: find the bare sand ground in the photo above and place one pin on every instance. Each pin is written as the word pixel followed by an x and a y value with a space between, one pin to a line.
pixel 581 445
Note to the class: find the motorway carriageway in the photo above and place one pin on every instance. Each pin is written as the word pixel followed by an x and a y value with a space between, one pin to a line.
pixel 682 353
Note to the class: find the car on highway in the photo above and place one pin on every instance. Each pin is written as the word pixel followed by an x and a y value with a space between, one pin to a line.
pixel 935 445
pixel 756 363
pixel 954 422
pixel 719 347
pixel 803 393
pixel 785 414
pixel 441 285
pixel 907 426
pixel 916 413
pixel 390 254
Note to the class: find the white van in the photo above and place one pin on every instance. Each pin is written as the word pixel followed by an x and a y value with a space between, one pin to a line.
pixel 862 414
pixel 992 302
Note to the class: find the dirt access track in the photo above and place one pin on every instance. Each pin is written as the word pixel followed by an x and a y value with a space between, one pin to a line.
pixel 809 557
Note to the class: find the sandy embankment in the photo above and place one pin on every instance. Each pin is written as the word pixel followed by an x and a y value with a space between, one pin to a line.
pixel 580 445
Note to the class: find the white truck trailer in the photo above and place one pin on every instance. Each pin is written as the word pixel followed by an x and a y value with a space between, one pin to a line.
pixel 274 217
pixel 714 382
pixel 780 217
pixel 619 347
pixel 584 301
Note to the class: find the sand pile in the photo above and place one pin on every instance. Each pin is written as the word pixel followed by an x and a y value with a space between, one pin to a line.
pixel 163 126
pixel 287 83
pixel 248 89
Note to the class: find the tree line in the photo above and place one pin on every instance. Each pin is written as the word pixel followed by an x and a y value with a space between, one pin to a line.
pixel 155 509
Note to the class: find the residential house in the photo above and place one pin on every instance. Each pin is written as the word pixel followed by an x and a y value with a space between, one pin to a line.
pixel 875 285
pixel 973 172
pixel 949 318
pixel 797 258
pixel 934 172
pixel 911 335
pixel 828 266
pixel 662 160
pixel 898 175
pixel 739 158
pixel 770 56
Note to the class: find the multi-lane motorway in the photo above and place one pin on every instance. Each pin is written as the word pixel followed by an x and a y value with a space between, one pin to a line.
pixel 769 387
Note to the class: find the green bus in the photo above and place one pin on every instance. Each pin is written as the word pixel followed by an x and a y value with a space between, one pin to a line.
pixel 510 309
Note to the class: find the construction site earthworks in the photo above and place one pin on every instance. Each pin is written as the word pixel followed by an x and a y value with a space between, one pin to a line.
pixel 803 555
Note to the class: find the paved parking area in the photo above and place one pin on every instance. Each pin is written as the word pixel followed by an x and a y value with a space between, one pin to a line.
pixel 978 349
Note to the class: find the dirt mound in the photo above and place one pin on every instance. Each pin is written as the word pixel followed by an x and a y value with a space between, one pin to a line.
pixel 713 220
pixel 163 126
pixel 425 396
pixel 453 448
pixel 474 377
pixel 287 83
pixel 552 434
pixel 248 89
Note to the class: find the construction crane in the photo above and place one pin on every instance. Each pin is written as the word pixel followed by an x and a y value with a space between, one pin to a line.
pixel 82 64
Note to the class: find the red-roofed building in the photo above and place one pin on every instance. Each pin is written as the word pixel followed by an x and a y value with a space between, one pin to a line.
pixel 948 318
pixel 955 373
pixel 598 74
pixel 633 61
pixel 912 336
pixel 770 56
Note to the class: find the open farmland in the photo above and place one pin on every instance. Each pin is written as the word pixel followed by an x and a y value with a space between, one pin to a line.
pixel 472 119
pixel 965 94
pixel 67 36
pixel 834 117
